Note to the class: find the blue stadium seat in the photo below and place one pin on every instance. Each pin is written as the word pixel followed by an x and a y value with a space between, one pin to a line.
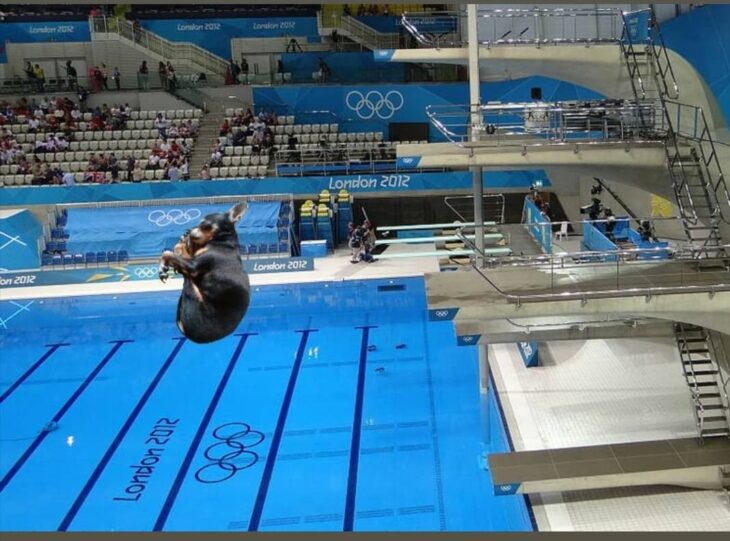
pixel 283 248
pixel 61 246
pixel 68 259
pixel 112 256
pixel 101 257
pixel 79 259
pixel 123 256
pixel 263 248
pixel 273 248
pixel 52 246
pixel 46 259
pixel 90 258
pixel 57 260
pixel 57 233
pixel 253 249
pixel 243 249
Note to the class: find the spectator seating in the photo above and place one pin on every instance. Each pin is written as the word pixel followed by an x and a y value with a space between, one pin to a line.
pixel 136 140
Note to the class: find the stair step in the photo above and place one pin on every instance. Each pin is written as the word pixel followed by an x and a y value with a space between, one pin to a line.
pixel 713 407
pixel 712 383
pixel 714 432
pixel 703 396
pixel 698 361
pixel 715 419
pixel 703 373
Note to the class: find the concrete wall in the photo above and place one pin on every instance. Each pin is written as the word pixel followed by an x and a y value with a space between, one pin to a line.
pixel 152 100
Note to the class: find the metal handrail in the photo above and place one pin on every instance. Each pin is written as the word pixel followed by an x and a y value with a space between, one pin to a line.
pixel 558 122
pixel 620 256
pixel 165 48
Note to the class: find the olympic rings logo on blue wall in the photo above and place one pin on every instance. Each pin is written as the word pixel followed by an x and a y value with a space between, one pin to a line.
pixel 162 218
pixel 231 454
pixel 374 103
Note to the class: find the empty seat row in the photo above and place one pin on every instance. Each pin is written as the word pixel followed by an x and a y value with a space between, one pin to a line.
pixel 89 258
pixel 235 172
pixel 245 160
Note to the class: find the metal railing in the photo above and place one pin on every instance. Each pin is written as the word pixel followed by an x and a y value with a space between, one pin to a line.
pixel 689 123
pixel 508 124
pixel 358 31
pixel 172 51
pixel 587 275
pixel 339 159
pixel 532 26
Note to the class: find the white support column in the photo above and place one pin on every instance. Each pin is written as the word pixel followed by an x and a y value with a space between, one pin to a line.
pixel 483 368
pixel 475 124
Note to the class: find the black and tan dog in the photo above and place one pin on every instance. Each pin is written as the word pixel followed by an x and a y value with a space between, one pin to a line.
pixel 216 290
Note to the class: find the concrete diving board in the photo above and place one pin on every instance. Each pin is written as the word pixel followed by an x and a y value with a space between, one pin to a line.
pixel 452 225
pixel 444 253
pixel 488 237
pixel 680 462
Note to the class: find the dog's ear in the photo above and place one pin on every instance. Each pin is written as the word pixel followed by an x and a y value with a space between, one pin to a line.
pixel 237 211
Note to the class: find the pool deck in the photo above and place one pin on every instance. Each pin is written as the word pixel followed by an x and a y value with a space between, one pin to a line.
pixel 336 267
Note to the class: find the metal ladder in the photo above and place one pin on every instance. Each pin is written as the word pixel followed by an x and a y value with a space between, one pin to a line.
pixel 651 76
pixel 704 379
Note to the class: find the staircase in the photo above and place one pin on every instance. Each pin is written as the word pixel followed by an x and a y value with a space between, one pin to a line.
pixel 696 175
pixel 704 379
pixel 353 29
pixel 185 55
pixel 207 135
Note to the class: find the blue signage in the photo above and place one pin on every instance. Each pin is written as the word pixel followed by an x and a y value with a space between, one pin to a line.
pixel 370 184
pixel 538 225
pixel 530 353
pixel 42 32
pixel 20 232
pixel 215 35
pixel 124 273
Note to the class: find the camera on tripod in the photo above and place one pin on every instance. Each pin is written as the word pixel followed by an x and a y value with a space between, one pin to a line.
pixel 596 207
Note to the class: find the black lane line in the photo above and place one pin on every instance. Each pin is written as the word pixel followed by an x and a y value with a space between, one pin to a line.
pixel 258 507
pixel 29 372
pixel 193 449
pixel 351 494
pixel 59 415
pixel 91 482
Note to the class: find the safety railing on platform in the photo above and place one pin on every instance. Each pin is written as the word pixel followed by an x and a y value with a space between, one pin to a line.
pixel 169 50
pixel 358 31
pixel 508 124
pixel 532 26
pixel 591 275
pixel 340 159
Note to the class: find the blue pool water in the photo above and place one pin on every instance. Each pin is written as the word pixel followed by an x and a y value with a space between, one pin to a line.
pixel 335 407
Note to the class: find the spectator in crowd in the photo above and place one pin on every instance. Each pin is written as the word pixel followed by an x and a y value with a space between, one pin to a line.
pixel 173 173
pixel 137 30
pixel 184 170
pixel 116 77
pixel 324 70
pixel 161 124
pixel 72 79
pixel 30 76
pixel 205 173
pixel 69 179
pixel 104 76
pixel 235 71
pixel 83 95
pixel 361 10
pixel 244 69
pixel 216 157
pixel 386 10
pixel 171 78
pixel 225 128
pixel 143 74
pixel 131 162
pixel 293 46
pixel 40 77
pixel 279 66
pixel 162 72
pixel 346 10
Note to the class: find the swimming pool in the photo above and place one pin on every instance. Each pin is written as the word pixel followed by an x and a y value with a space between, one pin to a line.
pixel 336 406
